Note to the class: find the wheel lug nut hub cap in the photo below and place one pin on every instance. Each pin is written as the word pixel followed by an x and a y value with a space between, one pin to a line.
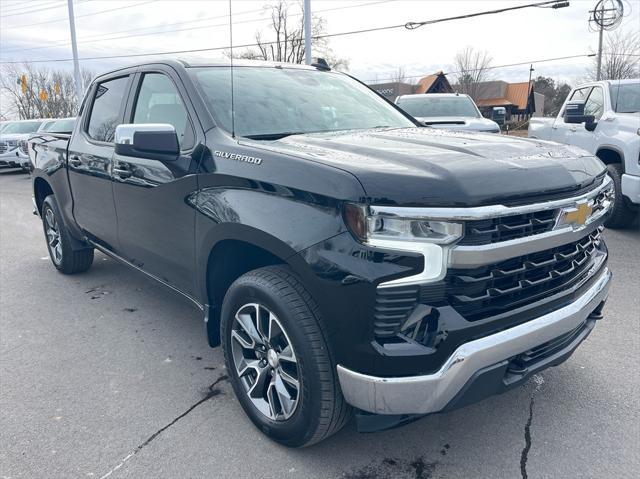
pixel 272 358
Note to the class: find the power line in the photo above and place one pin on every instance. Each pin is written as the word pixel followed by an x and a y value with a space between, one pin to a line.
pixel 85 15
pixel 138 29
pixel 529 62
pixel 200 27
pixel 35 10
pixel 199 50
pixel 19 6
pixel 547 4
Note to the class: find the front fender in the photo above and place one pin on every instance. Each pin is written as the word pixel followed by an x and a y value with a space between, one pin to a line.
pixel 282 222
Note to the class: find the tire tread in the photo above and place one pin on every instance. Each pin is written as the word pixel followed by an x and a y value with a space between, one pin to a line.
pixel 335 412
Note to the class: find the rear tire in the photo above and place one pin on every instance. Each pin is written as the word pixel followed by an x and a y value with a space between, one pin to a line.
pixel 320 409
pixel 621 215
pixel 66 259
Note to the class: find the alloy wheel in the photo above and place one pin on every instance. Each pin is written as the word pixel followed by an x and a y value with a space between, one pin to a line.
pixel 52 231
pixel 265 361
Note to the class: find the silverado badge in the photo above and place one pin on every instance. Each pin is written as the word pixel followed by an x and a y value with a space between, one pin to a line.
pixel 234 156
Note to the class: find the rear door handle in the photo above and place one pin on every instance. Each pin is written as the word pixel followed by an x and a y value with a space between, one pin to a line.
pixel 75 161
pixel 122 171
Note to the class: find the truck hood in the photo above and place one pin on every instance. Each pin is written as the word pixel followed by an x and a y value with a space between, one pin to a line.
pixel 432 167
pixel 460 123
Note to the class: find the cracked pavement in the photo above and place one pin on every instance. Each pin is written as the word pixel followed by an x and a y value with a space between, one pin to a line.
pixel 107 374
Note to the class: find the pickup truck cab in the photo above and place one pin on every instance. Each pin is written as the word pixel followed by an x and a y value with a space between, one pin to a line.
pixel 346 258
pixel 603 118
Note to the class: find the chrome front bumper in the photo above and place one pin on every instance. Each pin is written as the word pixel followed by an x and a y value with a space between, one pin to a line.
pixel 432 392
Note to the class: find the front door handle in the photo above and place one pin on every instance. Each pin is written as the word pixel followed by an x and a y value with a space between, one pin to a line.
pixel 75 161
pixel 122 171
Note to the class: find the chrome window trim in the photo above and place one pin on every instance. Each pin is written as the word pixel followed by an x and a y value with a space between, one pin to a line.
pixel 486 212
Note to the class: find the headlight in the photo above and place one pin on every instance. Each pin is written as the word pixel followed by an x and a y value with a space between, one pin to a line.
pixel 388 226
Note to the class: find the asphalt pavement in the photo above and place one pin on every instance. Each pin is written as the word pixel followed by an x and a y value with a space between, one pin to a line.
pixel 107 374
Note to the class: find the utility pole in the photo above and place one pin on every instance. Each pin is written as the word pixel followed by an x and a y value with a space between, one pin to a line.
pixel 307 31
pixel 598 73
pixel 606 15
pixel 531 70
pixel 74 48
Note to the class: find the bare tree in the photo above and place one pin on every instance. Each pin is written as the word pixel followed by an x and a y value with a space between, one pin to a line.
pixel 48 94
pixel 288 44
pixel 471 68
pixel 619 57
pixel 400 76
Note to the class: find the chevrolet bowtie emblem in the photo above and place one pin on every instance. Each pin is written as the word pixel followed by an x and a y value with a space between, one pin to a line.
pixel 577 215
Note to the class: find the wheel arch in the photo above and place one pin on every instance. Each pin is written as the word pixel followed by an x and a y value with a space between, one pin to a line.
pixel 41 189
pixel 228 256
pixel 610 155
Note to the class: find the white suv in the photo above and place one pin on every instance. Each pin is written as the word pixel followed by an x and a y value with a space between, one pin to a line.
pixel 11 153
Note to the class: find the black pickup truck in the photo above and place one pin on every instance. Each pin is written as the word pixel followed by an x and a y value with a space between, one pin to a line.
pixel 346 258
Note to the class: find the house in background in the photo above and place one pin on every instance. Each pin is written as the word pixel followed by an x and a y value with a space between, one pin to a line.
pixel 519 99
pixel 435 83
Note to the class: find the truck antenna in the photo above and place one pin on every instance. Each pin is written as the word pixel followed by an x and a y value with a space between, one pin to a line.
pixel 233 111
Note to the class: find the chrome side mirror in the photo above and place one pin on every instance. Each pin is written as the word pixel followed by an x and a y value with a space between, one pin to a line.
pixel 153 141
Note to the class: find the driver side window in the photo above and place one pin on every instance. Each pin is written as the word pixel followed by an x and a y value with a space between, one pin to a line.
pixel 580 94
pixel 595 103
pixel 159 102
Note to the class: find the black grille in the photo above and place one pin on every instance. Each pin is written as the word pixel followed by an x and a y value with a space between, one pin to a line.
pixel 522 362
pixel 496 289
pixel 3 147
pixel 601 201
pixel 488 291
pixel 504 228
pixel 393 306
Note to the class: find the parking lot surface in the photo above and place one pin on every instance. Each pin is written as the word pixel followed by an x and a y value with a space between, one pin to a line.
pixel 107 374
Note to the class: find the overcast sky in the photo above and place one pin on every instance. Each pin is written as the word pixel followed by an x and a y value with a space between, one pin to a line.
pixel 39 30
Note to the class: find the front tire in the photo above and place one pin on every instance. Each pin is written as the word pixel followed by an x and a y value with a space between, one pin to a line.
pixel 66 259
pixel 621 215
pixel 278 359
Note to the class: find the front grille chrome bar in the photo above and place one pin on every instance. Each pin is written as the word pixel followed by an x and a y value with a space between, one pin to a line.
pixel 488 212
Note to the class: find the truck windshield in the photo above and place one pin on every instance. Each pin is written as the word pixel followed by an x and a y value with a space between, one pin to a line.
pixel 271 103
pixel 21 127
pixel 429 106
pixel 625 97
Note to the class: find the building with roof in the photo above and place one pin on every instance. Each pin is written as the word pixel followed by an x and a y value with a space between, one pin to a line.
pixel 434 83
pixel 519 99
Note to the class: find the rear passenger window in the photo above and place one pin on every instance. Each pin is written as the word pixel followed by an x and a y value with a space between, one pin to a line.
pixel 105 111
pixel 159 102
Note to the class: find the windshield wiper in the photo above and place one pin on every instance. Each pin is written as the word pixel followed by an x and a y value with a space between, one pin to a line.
pixel 274 136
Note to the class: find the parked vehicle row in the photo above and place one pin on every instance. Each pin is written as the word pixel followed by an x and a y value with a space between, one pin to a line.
pixel 346 257
pixel 603 118
pixel 14 136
